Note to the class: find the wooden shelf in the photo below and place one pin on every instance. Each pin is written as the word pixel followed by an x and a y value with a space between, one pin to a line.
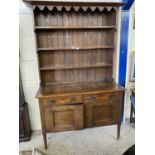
pixel 75 67
pixel 74 83
pixel 74 28
pixel 75 49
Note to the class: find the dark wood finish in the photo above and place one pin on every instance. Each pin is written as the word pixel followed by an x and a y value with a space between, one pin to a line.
pixel 75 67
pixel 102 109
pixel 64 117
pixel 80 105
pixel 75 46
pixel 77 88
pixel 72 53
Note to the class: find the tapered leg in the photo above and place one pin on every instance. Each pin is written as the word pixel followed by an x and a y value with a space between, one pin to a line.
pixel 118 130
pixel 45 140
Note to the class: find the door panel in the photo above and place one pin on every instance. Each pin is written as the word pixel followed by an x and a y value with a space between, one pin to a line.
pixel 61 118
pixel 101 114
pixel 104 110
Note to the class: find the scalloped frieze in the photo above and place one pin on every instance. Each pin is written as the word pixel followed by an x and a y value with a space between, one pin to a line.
pixel 75 8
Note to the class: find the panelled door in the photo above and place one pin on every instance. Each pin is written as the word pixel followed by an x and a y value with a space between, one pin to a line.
pixel 104 109
pixel 61 118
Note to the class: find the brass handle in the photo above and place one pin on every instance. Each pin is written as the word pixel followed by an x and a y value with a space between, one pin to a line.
pixel 52 101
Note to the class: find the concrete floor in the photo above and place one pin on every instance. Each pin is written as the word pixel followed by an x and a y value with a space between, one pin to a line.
pixel 93 141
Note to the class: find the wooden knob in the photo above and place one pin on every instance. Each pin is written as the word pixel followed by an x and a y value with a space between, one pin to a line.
pixel 52 101
pixel 112 95
pixel 73 99
pixel 93 98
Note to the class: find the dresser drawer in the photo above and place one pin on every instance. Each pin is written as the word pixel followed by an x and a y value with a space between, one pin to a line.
pixel 104 98
pixel 63 100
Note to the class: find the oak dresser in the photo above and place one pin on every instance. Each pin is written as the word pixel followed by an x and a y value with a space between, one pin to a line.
pixel 76 45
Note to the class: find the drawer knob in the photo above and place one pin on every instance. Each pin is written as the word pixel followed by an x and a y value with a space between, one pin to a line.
pixel 111 95
pixel 93 98
pixel 52 101
pixel 73 99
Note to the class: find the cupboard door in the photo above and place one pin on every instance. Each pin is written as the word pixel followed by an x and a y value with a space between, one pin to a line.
pixel 102 111
pixel 61 118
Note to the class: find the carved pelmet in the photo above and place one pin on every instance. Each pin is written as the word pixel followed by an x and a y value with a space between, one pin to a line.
pixel 75 8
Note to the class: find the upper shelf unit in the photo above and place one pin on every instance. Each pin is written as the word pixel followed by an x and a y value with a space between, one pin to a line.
pixel 75 40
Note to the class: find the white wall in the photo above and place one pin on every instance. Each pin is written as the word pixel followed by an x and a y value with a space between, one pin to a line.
pixel 28 62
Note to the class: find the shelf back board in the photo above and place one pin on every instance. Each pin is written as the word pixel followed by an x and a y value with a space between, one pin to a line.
pixel 75 40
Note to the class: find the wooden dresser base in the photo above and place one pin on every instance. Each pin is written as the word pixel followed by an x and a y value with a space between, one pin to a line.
pixel 76 108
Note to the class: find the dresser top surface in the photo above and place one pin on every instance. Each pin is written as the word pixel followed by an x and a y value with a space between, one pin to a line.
pixel 75 89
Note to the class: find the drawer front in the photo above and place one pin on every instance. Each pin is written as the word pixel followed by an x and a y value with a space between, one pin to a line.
pixel 64 117
pixel 78 99
pixel 63 100
pixel 104 98
pixel 105 109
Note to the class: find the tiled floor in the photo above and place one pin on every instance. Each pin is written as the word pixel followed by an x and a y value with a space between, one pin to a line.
pixel 93 141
